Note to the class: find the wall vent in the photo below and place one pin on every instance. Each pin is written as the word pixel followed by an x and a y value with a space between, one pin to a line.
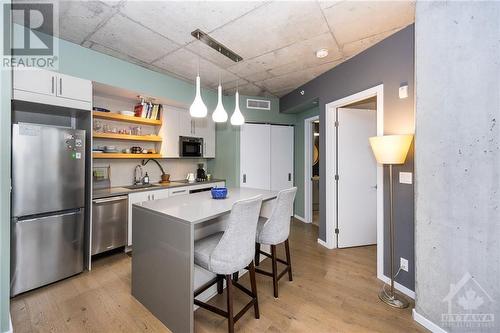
pixel 258 104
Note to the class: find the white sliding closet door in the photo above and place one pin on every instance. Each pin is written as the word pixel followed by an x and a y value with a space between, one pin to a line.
pixel 281 157
pixel 255 154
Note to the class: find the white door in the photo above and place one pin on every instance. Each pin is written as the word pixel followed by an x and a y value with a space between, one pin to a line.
pixel 35 80
pixel 134 198
pixel 74 88
pixel 281 157
pixel 357 185
pixel 205 128
pixel 255 156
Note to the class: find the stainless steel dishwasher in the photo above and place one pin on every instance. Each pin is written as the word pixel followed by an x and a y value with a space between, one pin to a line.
pixel 109 223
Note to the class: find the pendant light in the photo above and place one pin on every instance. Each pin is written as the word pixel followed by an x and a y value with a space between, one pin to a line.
pixel 237 118
pixel 220 114
pixel 198 109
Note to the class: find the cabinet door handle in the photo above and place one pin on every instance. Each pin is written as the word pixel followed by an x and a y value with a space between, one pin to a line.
pixel 289 177
pixel 153 196
pixel 60 86
pixel 149 197
pixel 244 178
pixel 52 85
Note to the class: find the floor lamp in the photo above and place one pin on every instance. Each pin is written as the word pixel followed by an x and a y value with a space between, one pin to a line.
pixel 391 149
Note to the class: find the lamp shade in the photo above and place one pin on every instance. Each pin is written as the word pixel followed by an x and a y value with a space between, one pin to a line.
pixel 391 149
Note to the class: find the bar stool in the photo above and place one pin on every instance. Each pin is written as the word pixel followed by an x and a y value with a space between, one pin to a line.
pixel 275 231
pixel 225 253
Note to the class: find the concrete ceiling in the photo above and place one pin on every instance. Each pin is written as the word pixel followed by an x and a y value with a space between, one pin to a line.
pixel 276 39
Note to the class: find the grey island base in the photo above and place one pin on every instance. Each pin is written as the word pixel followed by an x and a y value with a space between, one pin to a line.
pixel 164 276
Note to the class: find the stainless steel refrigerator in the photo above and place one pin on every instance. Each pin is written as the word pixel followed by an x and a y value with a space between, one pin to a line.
pixel 48 199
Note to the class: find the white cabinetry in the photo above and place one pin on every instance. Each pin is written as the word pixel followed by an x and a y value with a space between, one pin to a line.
pixel 136 198
pixel 178 122
pixel 266 156
pixel 46 87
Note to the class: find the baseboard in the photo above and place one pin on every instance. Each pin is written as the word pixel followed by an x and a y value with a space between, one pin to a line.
pixel 426 322
pixel 300 218
pixel 399 287
pixel 325 244
pixel 11 329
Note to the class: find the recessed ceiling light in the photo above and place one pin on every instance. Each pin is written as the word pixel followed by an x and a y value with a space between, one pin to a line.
pixel 321 53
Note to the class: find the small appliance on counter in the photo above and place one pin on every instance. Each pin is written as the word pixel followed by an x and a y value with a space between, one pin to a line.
pixel 201 174
pixel 191 178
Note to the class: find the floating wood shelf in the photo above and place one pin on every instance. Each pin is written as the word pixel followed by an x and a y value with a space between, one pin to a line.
pixel 120 155
pixel 116 136
pixel 129 119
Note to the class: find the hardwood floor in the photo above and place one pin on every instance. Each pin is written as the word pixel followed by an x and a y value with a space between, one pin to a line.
pixel 332 291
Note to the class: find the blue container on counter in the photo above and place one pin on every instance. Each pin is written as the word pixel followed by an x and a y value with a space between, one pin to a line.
pixel 219 192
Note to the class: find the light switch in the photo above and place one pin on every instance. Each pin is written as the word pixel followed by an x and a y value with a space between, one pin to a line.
pixel 403 91
pixel 406 178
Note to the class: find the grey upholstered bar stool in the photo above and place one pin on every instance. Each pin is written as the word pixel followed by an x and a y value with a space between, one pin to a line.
pixel 275 231
pixel 225 253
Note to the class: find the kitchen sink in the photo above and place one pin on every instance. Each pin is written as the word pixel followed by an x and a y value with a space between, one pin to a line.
pixel 139 186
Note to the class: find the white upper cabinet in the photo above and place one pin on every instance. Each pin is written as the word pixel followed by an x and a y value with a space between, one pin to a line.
pixel 205 128
pixel 74 88
pixel 170 132
pixel 46 87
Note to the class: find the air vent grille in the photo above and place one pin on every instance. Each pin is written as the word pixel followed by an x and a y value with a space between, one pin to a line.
pixel 258 104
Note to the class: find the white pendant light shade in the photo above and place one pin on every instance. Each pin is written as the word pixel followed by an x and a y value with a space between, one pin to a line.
pixel 237 117
pixel 219 115
pixel 198 109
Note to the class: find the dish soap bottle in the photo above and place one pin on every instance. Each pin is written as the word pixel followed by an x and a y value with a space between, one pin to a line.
pixel 145 179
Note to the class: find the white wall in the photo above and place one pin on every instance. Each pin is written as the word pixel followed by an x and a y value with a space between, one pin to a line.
pixel 457 226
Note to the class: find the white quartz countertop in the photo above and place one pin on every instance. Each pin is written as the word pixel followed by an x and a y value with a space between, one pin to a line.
pixel 200 207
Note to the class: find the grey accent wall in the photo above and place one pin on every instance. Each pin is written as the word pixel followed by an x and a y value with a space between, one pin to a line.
pixel 390 62
pixel 457 221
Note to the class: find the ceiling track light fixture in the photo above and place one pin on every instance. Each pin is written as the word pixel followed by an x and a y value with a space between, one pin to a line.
pixel 206 39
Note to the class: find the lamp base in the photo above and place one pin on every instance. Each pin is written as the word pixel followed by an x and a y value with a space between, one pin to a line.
pixel 396 301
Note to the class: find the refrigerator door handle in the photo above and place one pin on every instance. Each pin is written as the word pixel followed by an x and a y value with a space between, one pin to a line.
pixel 75 212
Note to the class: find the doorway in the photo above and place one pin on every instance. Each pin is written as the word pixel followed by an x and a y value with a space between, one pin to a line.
pixel 312 158
pixel 355 189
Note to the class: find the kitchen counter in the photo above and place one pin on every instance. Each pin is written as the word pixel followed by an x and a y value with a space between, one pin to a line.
pixel 120 190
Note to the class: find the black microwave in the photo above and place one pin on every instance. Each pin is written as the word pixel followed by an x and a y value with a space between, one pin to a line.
pixel 190 147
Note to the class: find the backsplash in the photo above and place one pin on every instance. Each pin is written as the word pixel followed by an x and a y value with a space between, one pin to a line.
pixel 122 171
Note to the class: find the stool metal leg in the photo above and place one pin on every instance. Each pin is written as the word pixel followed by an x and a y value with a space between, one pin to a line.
pixel 220 284
pixel 230 319
pixel 251 269
pixel 288 260
pixel 257 254
pixel 275 270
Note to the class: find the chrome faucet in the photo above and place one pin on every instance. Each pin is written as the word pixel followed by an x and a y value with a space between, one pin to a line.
pixel 138 175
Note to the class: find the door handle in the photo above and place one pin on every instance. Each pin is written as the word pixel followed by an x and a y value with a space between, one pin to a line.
pixel 75 212
pixel 60 86
pixel 52 85
pixel 244 178
pixel 98 201
pixel 289 177
pixel 153 196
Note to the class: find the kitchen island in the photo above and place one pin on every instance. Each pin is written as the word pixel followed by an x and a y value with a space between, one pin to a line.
pixel 164 276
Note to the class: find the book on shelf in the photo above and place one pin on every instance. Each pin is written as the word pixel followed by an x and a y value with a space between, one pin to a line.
pixel 148 110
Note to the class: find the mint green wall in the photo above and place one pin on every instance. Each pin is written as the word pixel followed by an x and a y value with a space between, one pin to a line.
pixel 299 158
pixel 227 162
pixel 5 89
